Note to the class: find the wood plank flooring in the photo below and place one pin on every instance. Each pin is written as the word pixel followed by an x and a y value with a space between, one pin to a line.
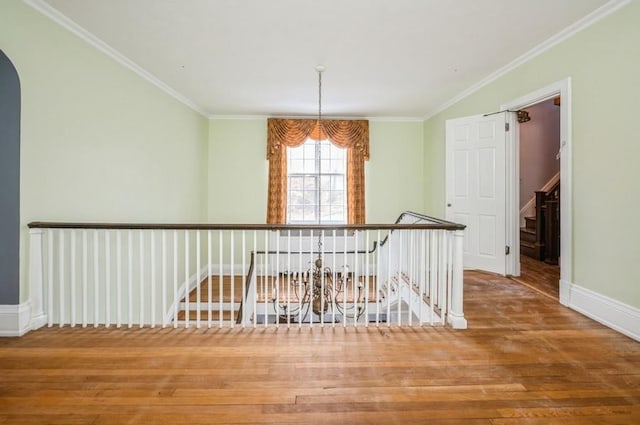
pixel 539 276
pixel 524 360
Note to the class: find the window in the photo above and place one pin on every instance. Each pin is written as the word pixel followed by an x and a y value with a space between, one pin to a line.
pixel 316 183
pixel 350 135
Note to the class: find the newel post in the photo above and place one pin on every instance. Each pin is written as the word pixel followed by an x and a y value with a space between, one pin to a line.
pixel 36 280
pixel 455 317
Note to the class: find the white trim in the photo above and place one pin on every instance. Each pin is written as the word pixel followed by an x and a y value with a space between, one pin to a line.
pixel 526 210
pixel 265 117
pixel 52 13
pixel 239 117
pixel 562 88
pixel 612 313
pixel 595 16
pixel 15 319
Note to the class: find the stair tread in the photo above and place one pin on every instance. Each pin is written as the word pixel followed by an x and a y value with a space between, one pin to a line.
pixel 527 244
pixel 528 230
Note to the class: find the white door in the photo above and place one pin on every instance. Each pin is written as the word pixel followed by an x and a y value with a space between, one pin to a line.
pixel 475 188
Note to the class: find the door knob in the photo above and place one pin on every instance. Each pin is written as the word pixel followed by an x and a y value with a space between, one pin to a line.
pixel 448 205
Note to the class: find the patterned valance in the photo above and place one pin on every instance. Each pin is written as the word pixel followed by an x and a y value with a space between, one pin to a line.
pixel 352 134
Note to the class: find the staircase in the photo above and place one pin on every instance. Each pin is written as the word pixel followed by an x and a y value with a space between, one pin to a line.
pixel 540 237
pixel 224 310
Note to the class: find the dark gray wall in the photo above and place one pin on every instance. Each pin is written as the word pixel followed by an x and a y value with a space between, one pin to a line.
pixel 9 182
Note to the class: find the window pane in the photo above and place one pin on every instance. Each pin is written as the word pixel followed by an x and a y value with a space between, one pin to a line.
pixel 325 197
pixel 309 149
pixel 337 197
pixel 296 182
pixel 325 165
pixel 295 153
pixel 309 166
pixel 310 213
pixel 295 213
pixel 325 213
pixel 309 197
pixel 337 214
pixel 310 182
pixel 337 182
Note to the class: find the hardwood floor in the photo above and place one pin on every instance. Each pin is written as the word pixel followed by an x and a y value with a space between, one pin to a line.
pixel 539 276
pixel 525 359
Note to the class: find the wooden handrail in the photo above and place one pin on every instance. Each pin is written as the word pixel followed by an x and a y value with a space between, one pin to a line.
pixel 206 226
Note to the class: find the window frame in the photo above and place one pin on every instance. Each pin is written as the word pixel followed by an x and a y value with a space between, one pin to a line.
pixel 318 190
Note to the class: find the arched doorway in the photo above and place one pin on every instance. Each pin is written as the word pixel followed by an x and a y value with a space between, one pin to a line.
pixel 9 183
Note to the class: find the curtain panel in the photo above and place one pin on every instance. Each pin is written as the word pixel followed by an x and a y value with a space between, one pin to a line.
pixel 350 134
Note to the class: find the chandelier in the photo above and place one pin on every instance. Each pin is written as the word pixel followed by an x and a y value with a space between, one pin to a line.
pixel 319 290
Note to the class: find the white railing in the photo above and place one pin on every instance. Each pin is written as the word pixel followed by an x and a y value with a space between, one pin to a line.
pixel 408 273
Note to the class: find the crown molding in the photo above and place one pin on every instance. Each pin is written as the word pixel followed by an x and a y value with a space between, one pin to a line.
pixel 56 16
pixel 265 117
pixel 238 117
pixel 595 16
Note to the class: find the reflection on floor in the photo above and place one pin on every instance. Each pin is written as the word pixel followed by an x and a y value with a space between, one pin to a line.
pixel 540 276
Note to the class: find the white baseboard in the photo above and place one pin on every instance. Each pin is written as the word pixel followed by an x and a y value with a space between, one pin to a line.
pixel 612 313
pixel 15 320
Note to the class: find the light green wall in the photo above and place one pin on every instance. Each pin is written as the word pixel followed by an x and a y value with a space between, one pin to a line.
pixel 603 62
pixel 394 173
pixel 98 143
pixel 238 170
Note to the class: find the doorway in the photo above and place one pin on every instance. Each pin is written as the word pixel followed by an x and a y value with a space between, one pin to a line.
pixel 559 90
pixel 539 189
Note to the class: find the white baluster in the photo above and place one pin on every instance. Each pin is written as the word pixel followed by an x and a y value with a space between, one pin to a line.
pixel 233 277
pixel 198 295
pixel 288 312
pixel 255 293
pixel 141 260
pixel 164 278
pixel 334 278
pixel 300 278
pixel 130 277
pixel 266 273
pixel 72 295
pixel 410 274
pixel 153 278
pixel 345 279
pixel 209 283
pixel 243 297
pixel 220 278
pixel 50 257
pixel 378 276
pixel 85 277
pixel 118 278
pixel 400 260
pixel 366 279
pixel 61 277
pixel 96 278
pixel 176 296
pixel 107 298
pixel 449 236
pixel 389 250
pixel 356 278
pixel 432 275
pixel 443 276
pixel 187 308
pixel 311 282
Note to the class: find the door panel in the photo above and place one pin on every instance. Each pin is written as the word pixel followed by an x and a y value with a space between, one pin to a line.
pixel 475 187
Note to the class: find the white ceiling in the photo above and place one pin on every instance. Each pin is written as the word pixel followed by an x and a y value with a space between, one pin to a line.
pixel 383 58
